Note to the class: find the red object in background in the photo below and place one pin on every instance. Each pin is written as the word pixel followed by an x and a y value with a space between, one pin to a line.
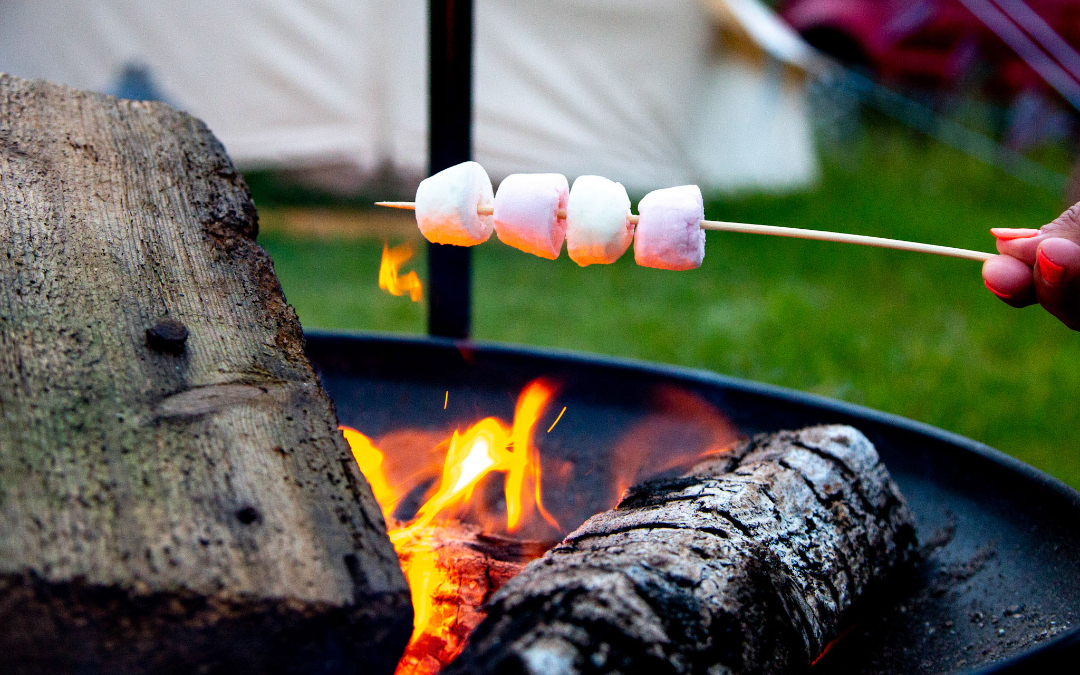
pixel 932 44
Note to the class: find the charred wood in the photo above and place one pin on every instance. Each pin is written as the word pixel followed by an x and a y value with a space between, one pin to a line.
pixel 463 568
pixel 747 564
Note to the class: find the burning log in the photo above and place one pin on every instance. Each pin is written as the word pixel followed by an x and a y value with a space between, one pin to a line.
pixel 174 493
pixel 747 564
pixel 454 568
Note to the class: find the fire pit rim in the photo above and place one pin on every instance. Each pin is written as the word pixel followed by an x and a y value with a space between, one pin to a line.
pixel 727 381
pixel 1051 651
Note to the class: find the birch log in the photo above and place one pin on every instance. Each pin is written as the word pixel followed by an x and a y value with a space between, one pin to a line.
pixel 746 565
pixel 174 494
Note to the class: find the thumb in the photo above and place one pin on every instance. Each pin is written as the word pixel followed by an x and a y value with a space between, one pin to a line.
pixel 1057 279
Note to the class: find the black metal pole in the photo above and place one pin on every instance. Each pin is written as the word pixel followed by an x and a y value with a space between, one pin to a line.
pixel 449 143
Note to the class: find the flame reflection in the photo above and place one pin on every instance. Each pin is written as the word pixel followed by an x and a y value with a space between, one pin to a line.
pixel 682 430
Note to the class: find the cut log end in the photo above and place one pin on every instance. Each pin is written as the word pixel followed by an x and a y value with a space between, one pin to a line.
pixel 746 565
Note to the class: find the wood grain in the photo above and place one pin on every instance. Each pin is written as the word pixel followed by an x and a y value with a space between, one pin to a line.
pixel 187 511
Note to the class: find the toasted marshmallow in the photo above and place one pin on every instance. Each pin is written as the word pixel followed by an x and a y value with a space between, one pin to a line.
pixel 597 229
pixel 527 212
pixel 669 234
pixel 446 205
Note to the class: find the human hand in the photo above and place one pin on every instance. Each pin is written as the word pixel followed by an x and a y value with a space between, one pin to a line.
pixel 1040 266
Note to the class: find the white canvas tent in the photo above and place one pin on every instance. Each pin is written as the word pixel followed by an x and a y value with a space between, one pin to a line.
pixel 648 92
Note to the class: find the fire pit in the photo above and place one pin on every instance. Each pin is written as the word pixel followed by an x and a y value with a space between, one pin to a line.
pixel 998 586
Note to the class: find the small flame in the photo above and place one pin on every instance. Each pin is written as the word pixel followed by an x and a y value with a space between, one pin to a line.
pixel 389 281
pixel 423 574
pixel 488 446
pixel 472 455
pixel 530 406
pixel 370 460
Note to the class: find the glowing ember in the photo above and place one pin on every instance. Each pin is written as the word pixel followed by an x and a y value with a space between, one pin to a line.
pixel 389 281
pixel 488 446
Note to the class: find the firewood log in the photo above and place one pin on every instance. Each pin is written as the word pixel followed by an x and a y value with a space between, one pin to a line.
pixel 465 566
pixel 174 494
pixel 747 564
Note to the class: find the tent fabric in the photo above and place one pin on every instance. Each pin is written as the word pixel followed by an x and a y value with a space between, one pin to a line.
pixel 639 91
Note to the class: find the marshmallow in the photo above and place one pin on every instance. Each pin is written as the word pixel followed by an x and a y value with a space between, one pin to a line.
pixel 527 212
pixel 597 229
pixel 669 234
pixel 446 205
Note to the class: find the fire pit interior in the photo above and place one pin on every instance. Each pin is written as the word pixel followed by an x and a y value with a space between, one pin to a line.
pixel 998 584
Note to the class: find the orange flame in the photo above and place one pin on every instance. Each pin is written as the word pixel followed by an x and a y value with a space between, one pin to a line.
pixel 423 574
pixel 370 460
pixel 488 446
pixel 389 281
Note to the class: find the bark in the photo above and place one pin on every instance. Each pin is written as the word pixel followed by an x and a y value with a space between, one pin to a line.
pixel 468 567
pixel 746 565
pixel 174 494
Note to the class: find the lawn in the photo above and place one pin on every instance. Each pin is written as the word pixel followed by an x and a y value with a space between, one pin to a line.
pixel 909 334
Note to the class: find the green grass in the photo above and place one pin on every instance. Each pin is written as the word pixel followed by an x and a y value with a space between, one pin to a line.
pixel 909 334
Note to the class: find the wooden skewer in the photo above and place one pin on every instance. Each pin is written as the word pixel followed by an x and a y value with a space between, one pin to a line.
pixel 776 231
pixel 411 206
pixel 862 240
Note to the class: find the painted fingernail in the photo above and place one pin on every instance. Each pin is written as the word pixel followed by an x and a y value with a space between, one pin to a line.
pixel 996 292
pixel 1051 273
pixel 1008 233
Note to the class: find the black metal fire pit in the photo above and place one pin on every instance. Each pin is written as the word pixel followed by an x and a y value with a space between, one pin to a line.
pixel 997 591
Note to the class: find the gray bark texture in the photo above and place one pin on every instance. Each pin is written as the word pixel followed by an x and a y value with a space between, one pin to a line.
pixel 747 564
pixel 168 502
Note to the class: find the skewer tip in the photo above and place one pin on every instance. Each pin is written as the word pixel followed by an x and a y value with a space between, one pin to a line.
pixel 408 206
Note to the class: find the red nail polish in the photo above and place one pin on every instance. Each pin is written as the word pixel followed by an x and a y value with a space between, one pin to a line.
pixel 1051 273
pixel 1008 233
pixel 995 292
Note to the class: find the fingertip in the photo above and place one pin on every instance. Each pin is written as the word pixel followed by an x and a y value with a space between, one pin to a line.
pixel 1057 279
pixel 995 291
pixel 1009 233
pixel 1009 279
pixel 1049 271
pixel 1023 249
pixel 1057 262
pixel 1061 252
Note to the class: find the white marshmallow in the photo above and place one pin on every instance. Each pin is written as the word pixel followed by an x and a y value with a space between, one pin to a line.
pixel 527 212
pixel 597 230
pixel 669 234
pixel 446 205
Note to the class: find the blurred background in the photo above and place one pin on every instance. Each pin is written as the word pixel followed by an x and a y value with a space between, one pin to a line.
pixel 927 120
